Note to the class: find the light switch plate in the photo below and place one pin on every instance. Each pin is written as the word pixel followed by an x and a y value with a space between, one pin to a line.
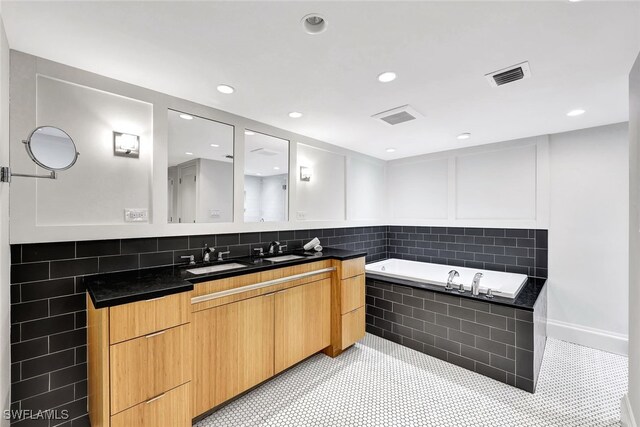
pixel 301 215
pixel 136 215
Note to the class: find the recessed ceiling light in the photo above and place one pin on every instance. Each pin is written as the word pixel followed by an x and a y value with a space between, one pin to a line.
pixel 295 115
pixel 186 116
pixel 248 132
pixel 276 168
pixel 387 76
pixel 258 173
pixel 226 89
pixel 188 153
pixel 574 113
pixel 314 23
pixel 465 135
pixel 574 1
pixel 391 150
pixel 215 145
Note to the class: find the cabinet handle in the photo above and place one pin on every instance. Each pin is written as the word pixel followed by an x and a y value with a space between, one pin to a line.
pixel 220 294
pixel 155 334
pixel 153 399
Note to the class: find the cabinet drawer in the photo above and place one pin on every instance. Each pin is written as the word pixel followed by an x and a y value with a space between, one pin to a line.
pixel 170 409
pixel 352 327
pixel 352 267
pixel 144 317
pixel 148 366
pixel 352 293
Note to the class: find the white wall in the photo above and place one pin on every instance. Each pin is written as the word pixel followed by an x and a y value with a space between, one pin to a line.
pixel 630 409
pixel 588 237
pixel 323 197
pixel 98 188
pixel 215 191
pixel 497 185
pixel 366 189
pixel 5 257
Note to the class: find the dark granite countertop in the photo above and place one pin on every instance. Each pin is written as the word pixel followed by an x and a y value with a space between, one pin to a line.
pixel 111 289
pixel 525 300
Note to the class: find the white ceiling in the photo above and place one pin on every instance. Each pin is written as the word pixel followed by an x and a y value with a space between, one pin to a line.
pixel 580 55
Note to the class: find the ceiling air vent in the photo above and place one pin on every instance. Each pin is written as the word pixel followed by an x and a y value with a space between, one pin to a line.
pixel 398 115
pixel 509 74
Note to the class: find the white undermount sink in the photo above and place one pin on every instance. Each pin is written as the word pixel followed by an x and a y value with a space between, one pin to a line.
pixel 284 258
pixel 216 268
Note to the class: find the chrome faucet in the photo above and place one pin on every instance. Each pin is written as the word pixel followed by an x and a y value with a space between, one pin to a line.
pixel 475 285
pixel 281 247
pixel 452 275
pixel 206 253
pixel 192 259
pixel 272 247
pixel 220 254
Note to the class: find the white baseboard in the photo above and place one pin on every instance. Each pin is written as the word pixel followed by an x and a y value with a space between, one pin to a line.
pixel 626 414
pixel 589 337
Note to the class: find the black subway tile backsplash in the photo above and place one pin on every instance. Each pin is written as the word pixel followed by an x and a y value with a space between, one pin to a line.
pixel 48 333
pixel 48 251
pixel 96 248
pixel 173 243
pixel 29 272
pixel 135 246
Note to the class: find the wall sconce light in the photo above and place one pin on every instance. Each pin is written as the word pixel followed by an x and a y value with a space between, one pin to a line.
pixel 305 173
pixel 126 145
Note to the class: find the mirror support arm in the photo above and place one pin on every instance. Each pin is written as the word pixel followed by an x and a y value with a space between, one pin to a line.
pixel 5 175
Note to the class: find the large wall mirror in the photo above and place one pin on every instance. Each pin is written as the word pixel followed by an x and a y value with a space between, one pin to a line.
pixel 266 178
pixel 200 155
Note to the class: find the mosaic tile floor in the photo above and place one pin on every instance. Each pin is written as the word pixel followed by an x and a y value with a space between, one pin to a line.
pixel 380 383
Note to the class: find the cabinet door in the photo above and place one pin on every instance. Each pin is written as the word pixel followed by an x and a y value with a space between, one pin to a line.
pixel 233 350
pixel 302 322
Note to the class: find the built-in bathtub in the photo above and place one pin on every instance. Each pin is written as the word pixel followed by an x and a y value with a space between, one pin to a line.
pixel 502 337
pixel 502 284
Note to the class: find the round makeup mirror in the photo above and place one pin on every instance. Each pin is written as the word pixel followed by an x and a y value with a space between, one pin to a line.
pixel 51 148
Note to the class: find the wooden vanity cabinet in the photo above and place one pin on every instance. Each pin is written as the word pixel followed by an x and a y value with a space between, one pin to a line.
pixel 347 305
pixel 162 362
pixel 140 365
pixel 233 350
pixel 302 322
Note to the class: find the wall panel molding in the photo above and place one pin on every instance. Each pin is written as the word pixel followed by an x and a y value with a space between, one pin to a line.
pixel 24 229
pixel 529 156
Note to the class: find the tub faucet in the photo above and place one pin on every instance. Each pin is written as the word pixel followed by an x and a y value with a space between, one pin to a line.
pixel 475 285
pixel 452 275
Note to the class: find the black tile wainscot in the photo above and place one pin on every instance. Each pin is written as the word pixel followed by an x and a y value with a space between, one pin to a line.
pixel 500 338
pixel 48 305
pixel 521 251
